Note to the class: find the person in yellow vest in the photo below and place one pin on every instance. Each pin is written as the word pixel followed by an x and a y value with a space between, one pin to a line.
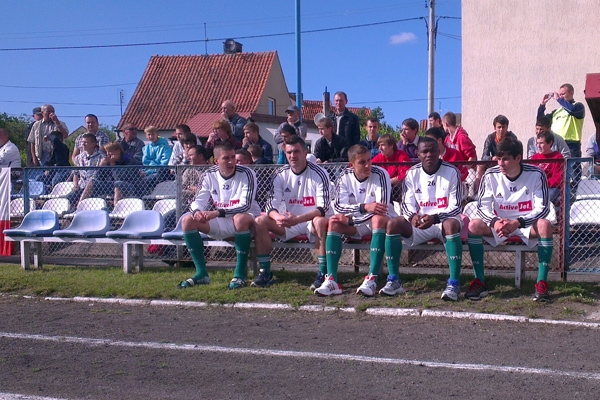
pixel 567 122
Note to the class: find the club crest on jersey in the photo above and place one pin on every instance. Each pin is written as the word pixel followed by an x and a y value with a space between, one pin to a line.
pixel 305 201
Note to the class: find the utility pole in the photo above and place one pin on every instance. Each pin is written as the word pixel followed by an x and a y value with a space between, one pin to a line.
pixel 298 60
pixel 431 68
pixel 121 100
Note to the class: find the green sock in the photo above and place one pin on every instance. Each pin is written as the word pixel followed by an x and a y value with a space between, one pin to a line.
pixel 333 251
pixel 264 262
pixel 377 250
pixel 393 250
pixel 322 264
pixel 195 246
pixel 476 250
pixel 242 247
pixel 454 251
pixel 545 248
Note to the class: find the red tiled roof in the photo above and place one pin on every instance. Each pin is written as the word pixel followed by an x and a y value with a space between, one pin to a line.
pixel 310 108
pixel 174 89
pixel 201 123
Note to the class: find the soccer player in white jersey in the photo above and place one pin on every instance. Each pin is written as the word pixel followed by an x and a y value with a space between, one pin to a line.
pixel 362 207
pixel 513 201
pixel 299 205
pixel 225 206
pixel 430 210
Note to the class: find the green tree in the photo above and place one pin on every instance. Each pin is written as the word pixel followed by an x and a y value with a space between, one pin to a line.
pixel 384 127
pixel 17 128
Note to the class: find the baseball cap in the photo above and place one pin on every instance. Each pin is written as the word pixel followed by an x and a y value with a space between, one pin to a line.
pixel 37 110
pixel 292 109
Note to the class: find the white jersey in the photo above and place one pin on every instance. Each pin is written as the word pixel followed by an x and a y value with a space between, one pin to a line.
pixel 353 194
pixel 437 194
pixel 300 193
pixel 525 197
pixel 233 195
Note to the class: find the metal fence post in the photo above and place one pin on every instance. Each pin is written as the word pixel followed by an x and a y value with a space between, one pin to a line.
pixel 567 217
pixel 25 191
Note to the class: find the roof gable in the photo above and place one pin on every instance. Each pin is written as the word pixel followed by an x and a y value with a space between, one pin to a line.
pixel 173 89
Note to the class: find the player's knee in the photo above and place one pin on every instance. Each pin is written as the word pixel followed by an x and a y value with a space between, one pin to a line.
pixel 379 221
pixel 544 228
pixel 476 227
pixel 188 223
pixel 451 226
pixel 243 222
pixel 262 220
pixel 334 226
pixel 394 225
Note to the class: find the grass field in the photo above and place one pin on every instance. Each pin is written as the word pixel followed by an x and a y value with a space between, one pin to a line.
pixel 570 300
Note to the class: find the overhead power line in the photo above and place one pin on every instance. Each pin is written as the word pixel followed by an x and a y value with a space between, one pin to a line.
pixel 103 46
pixel 404 100
pixel 62 104
pixel 68 87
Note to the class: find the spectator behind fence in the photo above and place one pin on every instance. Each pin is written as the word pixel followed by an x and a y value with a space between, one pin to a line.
pixel 330 147
pixel 179 155
pixel 513 201
pixel 131 144
pixel 91 123
pixel 252 137
pixel 221 133
pixel 389 153
pixel 592 150
pixel 37 116
pixel 191 176
pixel 370 142
pixel 490 146
pixel 236 122
pixel 447 154
pixel 553 171
pixel 410 138
pixel 345 122
pixel 120 182
pixel 543 124
pixel 457 137
pixel 243 157
pixel 83 179
pixel 435 121
pixel 156 153
pixel 9 153
pixel 293 119
pixel 41 148
pixel 257 155
pixel 59 158
pixel 287 133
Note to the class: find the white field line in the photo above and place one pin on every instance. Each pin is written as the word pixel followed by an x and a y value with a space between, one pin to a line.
pixel 15 396
pixel 300 354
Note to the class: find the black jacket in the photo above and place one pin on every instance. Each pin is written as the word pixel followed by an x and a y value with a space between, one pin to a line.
pixel 349 127
pixel 337 152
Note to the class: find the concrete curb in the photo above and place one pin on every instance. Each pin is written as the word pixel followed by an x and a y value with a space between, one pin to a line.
pixel 391 312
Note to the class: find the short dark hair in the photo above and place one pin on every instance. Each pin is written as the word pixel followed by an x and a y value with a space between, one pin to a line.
pixel 252 127
pixel 373 119
pixel 510 146
pixel 450 118
pixel 56 135
pixel 223 146
pixel 289 129
pixel 90 136
pixel 200 150
pixel 340 93
pixel 500 119
pixel 387 139
pixel 411 123
pixel 568 86
pixel 92 116
pixel 357 150
pixel 544 121
pixel 245 153
pixel 295 139
pixel 547 135
pixel 183 128
pixel 427 139
pixel 255 150
pixel 434 115
pixel 437 133
pixel 189 138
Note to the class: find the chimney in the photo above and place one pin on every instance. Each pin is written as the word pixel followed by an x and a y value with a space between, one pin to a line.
pixel 326 103
pixel 230 46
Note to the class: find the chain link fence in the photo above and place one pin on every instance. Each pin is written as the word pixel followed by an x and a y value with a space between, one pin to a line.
pixel 170 190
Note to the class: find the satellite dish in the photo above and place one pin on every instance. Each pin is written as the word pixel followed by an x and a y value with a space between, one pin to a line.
pixel 319 117
pixel 230 46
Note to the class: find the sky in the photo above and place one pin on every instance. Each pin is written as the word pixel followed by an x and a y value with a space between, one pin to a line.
pixel 382 63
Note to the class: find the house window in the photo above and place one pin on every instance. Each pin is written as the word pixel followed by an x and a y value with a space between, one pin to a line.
pixel 271 106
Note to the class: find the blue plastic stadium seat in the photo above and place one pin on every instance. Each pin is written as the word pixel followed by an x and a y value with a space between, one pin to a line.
pixel 144 224
pixel 36 223
pixel 177 233
pixel 88 223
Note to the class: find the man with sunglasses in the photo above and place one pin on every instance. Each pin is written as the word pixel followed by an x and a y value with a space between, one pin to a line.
pixel 131 144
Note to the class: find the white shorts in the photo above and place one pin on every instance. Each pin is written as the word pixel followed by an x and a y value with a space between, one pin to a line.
pixel 222 228
pixel 363 230
pixel 521 233
pixel 420 236
pixel 303 228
